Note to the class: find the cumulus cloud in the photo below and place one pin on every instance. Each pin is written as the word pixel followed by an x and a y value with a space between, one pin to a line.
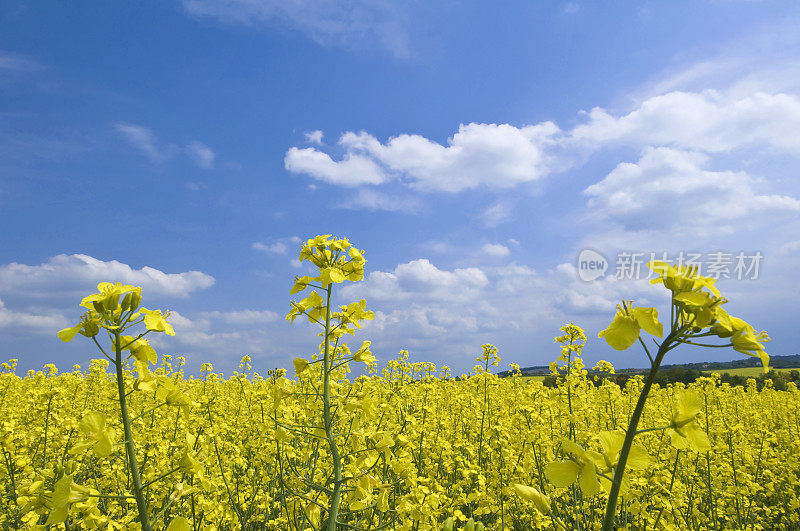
pixel 451 312
pixel 352 170
pixel 511 296
pixel 502 156
pixel 599 296
pixel 351 24
pixel 145 140
pixel 419 279
pixel 314 137
pixel 698 200
pixel 496 156
pixel 710 121
pixel 79 272
pixel 495 249
pixel 275 248
pixel 227 334
pixel 40 323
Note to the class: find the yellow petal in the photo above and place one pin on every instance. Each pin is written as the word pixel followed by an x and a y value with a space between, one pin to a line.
pixel 562 473
pixel 648 320
pixel 68 334
pixel 179 523
pixel 588 480
pixel 532 495
pixel 638 458
pixel 622 332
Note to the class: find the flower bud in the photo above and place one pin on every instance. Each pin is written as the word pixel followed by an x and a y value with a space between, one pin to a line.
pixel 90 329
pixel 98 307
pixel 448 524
pixel 126 302
pixel 136 299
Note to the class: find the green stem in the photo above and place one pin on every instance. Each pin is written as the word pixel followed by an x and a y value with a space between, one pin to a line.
pixel 333 509
pixel 46 425
pixel 613 495
pixel 141 504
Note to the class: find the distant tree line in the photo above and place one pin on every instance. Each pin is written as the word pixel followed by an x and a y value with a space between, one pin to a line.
pixel 683 375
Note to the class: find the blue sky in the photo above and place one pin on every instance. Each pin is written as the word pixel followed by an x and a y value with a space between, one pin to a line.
pixel 472 151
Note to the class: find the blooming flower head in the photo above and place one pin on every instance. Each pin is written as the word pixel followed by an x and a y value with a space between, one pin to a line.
pixel 680 279
pixel 628 323
pixel 686 431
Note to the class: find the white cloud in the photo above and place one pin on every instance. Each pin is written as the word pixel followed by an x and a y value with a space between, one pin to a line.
pixel 223 334
pixel 202 155
pixel 709 121
pixel 373 200
pixel 571 7
pixel 495 249
pixel 671 190
pixel 419 279
pixel 79 272
pixel 358 23
pixel 48 323
pixel 497 213
pixel 449 312
pixel 275 248
pixel 498 156
pixel 242 317
pixel 314 137
pixel 143 139
pixel 352 170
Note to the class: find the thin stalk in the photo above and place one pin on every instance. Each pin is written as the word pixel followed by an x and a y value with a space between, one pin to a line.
pixel 46 424
pixel 133 466
pixel 333 509
pixel 613 495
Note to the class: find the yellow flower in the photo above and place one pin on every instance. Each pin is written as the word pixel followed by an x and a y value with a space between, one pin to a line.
pixel 363 354
pixel 65 493
pixel 300 365
pixel 611 442
pixel 679 279
pixel 628 322
pixel 188 463
pixel 108 295
pixel 686 431
pixel 157 322
pixel 93 425
pixel 580 467
pixel 140 349
pixel 300 284
pixel 539 500
pixel 89 327
pixel 743 336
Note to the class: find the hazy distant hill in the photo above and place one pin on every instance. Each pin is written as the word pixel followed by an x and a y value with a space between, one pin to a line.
pixel 790 361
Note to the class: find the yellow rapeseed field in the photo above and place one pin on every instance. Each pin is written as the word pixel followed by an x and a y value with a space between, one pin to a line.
pixel 132 442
